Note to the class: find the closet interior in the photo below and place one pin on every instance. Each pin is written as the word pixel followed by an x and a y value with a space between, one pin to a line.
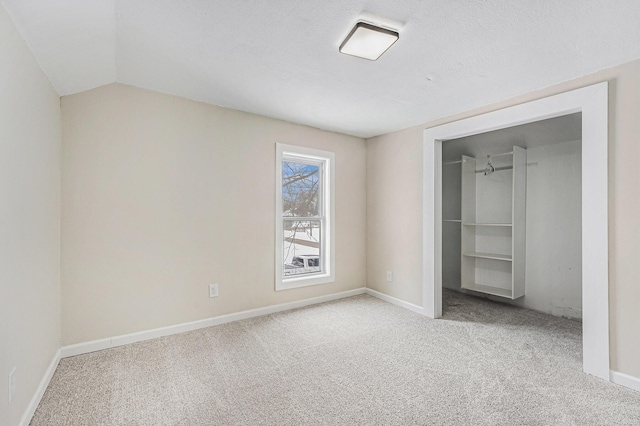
pixel 511 211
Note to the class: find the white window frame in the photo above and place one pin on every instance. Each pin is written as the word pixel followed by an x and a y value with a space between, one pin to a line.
pixel 327 237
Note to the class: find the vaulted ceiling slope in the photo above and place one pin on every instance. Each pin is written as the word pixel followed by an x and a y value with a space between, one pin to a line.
pixel 280 58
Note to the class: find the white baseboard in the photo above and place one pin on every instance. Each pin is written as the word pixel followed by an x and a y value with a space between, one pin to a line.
pixel 42 387
pixel 398 302
pixel 625 380
pixel 111 342
pixel 81 348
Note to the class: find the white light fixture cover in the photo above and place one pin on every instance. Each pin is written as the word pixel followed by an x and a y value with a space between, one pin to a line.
pixel 368 41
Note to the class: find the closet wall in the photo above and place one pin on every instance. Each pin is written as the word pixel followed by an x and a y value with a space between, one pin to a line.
pixel 553 210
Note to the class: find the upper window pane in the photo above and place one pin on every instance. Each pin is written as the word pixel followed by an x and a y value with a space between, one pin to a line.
pixel 300 189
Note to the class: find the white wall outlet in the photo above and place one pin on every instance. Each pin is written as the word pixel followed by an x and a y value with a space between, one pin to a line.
pixel 12 384
pixel 213 290
pixel 389 276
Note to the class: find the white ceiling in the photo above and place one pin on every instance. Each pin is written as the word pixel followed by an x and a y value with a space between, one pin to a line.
pixel 280 58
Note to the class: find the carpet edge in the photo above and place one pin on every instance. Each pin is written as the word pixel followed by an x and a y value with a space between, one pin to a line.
pixel 125 339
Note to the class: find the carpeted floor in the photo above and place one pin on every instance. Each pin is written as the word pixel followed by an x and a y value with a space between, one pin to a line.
pixel 357 361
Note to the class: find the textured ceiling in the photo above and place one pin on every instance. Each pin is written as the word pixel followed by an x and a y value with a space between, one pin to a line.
pixel 280 58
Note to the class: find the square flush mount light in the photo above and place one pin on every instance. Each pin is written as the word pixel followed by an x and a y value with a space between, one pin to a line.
pixel 368 41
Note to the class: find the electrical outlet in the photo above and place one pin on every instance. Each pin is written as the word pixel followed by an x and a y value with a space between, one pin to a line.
pixel 213 290
pixel 389 276
pixel 12 384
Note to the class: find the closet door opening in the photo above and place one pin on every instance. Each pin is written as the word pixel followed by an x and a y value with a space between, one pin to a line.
pixel 592 103
pixel 511 216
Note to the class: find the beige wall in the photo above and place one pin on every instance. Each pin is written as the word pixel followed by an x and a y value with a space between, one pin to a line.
pixel 29 221
pixel 394 214
pixel 163 196
pixel 389 178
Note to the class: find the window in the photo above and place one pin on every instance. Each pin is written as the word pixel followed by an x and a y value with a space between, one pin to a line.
pixel 304 217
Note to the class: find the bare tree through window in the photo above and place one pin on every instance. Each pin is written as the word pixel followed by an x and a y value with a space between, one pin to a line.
pixel 301 205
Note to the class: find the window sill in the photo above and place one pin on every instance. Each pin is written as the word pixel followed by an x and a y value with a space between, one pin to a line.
pixel 297 282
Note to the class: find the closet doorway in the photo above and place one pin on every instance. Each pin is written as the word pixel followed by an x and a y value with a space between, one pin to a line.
pixel 591 103
pixel 511 215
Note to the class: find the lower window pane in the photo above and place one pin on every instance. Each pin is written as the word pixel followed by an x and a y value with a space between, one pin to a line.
pixel 301 247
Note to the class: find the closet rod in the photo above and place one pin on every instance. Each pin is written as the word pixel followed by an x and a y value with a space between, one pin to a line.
pixel 497 169
pixel 501 155
pixel 452 162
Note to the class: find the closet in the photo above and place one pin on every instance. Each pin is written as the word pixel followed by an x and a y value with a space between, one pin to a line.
pixel 493 223
pixel 511 212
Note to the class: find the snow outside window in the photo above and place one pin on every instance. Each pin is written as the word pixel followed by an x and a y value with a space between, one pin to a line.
pixel 304 217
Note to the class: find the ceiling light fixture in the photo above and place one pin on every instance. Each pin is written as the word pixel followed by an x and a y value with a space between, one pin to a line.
pixel 368 41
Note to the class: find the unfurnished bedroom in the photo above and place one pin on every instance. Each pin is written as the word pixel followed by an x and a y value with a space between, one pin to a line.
pixel 321 213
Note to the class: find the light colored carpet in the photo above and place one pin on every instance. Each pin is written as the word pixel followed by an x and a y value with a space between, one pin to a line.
pixel 358 361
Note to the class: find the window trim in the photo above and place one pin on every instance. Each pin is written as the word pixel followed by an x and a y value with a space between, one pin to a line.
pixel 327 245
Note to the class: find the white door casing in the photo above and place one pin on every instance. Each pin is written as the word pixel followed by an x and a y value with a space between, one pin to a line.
pixel 592 102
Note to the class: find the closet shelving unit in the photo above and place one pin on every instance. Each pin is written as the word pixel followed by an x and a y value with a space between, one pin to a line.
pixel 493 224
